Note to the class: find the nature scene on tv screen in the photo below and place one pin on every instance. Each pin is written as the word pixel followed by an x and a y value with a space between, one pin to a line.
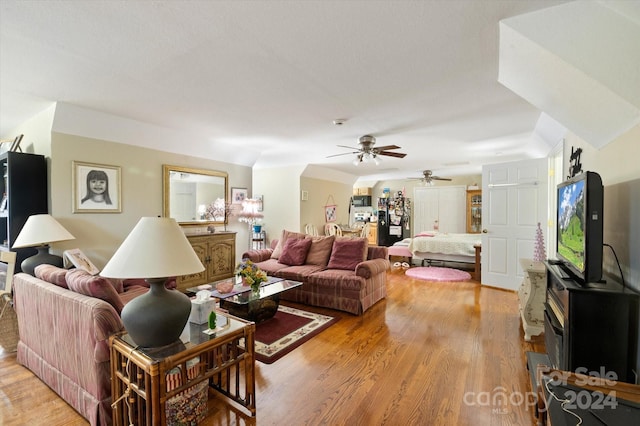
pixel 571 223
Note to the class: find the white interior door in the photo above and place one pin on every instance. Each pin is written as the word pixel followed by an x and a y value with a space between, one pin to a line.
pixel 425 209
pixel 453 209
pixel 514 200
pixel 444 206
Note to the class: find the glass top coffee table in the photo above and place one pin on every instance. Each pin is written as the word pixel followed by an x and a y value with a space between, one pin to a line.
pixel 244 303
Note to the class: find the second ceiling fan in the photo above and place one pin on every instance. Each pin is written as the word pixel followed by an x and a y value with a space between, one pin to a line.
pixel 367 151
pixel 428 177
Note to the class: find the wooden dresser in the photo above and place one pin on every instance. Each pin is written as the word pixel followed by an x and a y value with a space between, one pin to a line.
pixel 217 252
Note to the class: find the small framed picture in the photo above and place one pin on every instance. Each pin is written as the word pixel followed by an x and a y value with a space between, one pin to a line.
pixel 80 261
pixel 96 188
pixel 238 195
pixel 330 213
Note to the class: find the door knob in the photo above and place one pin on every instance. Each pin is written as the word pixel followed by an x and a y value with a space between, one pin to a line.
pixel 484 231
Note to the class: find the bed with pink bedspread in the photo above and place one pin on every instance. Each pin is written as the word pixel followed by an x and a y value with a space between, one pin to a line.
pixel 443 247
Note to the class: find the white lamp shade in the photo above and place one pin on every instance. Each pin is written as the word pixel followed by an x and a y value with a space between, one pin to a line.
pixel 155 248
pixel 41 229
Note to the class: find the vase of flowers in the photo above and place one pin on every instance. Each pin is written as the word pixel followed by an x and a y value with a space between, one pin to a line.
pixel 251 275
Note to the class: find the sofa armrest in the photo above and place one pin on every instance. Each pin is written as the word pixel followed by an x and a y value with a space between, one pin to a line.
pixel 370 268
pixel 80 325
pixel 258 255
pixel 377 252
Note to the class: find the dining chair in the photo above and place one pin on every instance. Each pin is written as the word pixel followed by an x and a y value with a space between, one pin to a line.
pixel 311 229
pixel 333 229
pixel 364 232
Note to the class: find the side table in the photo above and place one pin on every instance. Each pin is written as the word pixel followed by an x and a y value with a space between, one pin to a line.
pixel 144 380
pixel 531 297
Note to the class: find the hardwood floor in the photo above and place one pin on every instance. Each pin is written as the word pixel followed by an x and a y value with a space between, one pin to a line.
pixel 430 354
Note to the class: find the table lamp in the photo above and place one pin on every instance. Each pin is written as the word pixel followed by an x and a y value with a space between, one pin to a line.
pixel 38 231
pixel 156 249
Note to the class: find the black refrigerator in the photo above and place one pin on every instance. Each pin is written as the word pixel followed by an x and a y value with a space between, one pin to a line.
pixel 394 214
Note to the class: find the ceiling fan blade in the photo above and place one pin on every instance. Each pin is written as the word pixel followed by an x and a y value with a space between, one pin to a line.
pixel 385 147
pixel 392 154
pixel 350 147
pixel 344 153
pixel 439 178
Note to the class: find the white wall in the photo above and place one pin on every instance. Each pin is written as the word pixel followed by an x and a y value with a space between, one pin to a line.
pixel 280 188
pixel 100 234
pixel 322 193
pixel 37 133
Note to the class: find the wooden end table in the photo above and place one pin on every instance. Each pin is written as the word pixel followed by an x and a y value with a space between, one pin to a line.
pixel 139 376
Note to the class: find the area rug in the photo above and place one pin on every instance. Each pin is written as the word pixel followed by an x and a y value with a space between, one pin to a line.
pixel 434 273
pixel 288 329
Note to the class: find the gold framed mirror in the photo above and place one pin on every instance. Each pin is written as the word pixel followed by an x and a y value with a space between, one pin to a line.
pixel 189 194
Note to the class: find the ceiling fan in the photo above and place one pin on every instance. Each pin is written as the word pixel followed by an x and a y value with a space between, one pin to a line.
pixel 428 177
pixel 367 151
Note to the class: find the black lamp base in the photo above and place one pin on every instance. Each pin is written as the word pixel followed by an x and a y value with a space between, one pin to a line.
pixel 156 318
pixel 29 264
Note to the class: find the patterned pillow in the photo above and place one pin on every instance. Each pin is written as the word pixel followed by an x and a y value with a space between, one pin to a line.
pixel 348 252
pixel 83 282
pixel 320 250
pixel 285 236
pixel 52 274
pixel 294 252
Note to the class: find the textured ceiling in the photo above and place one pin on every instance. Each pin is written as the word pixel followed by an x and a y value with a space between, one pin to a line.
pixel 268 77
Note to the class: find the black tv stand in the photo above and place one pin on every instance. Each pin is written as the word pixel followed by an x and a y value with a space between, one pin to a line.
pixel 560 270
pixel 591 326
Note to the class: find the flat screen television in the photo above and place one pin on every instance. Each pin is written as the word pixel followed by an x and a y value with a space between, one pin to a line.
pixel 579 222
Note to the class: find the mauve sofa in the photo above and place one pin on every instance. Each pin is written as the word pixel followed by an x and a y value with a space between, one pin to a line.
pixel 64 334
pixel 341 273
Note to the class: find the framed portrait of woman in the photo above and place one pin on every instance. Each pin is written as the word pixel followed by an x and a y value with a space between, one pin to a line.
pixel 96 188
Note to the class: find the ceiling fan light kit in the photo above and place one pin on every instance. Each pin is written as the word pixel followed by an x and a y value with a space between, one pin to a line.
pixel 365 158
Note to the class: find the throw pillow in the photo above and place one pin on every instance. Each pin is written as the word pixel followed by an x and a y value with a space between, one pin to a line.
pixel 320 250
pixel 83 282
pixel 117 284
pixel 52 274
pixel 285 236
pixel 346 253
pixel 294 252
